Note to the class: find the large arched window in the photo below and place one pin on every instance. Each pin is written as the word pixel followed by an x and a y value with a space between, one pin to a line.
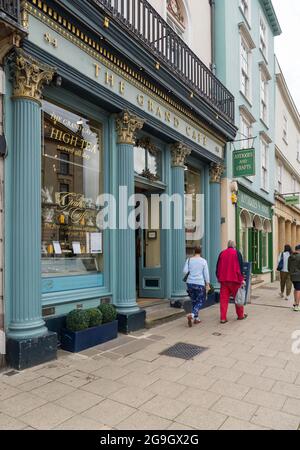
pixel 245 225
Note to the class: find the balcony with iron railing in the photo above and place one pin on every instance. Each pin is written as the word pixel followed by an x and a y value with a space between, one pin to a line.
pixel 145 24
pixel 10 9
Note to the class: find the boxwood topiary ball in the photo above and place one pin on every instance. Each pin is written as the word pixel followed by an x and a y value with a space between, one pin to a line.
pixel 109 312
pixel 77 320
pixel 95 317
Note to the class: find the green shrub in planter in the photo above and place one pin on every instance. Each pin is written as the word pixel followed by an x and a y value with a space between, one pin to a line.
pixel 109 312
pixel 78 320
pixel 95 317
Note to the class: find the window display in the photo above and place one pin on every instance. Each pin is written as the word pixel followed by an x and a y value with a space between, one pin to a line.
pixel 72 181
pixel 194 213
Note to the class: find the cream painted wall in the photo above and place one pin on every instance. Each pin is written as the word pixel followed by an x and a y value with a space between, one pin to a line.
pixel 228 212
pixel 198 35
pixel 287 149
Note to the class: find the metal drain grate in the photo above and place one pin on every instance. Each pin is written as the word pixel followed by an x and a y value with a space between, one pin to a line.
pixel 11 373
pixel 183 351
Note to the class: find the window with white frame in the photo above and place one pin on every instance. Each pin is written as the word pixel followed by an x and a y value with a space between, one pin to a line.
pixel 246 132
pixel 285 129
pixel 245 7
pixel 263 36
pixel 264 165
pixel 245 67
pixel 263 97
pixel 279 175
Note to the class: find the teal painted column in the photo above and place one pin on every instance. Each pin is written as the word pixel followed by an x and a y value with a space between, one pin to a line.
pixel 216 171
pixel 127 125
pixel 179 154
pixel 26 304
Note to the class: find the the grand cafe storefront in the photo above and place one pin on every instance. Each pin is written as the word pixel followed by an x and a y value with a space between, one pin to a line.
pixel 80 124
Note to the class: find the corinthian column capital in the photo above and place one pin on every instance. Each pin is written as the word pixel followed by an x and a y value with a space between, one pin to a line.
pixel 127 125
pixel 216 171
pixel 179 154
pixel 29 76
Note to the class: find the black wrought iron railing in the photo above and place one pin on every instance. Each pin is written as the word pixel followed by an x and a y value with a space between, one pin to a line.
pixel 144 22
pixel 11 8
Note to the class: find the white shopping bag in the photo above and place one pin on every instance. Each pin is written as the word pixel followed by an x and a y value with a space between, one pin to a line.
pixel 241 296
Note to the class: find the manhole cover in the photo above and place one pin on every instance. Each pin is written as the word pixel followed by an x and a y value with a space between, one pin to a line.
pixel 11 373
pixel 183 351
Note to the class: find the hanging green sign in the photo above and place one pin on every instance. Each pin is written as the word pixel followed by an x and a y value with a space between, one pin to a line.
pixel 292 200
pixel 244 163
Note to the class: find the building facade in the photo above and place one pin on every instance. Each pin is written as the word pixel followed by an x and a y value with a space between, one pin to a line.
pixel 287 212
pixel 105 106
pixel 244 42
pixel 11 34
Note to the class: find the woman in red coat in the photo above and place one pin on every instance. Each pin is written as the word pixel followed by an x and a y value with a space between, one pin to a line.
pixel 230 276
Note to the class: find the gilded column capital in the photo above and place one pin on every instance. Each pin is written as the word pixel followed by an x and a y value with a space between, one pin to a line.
pixel 126 126
pixel 179 154
pixel 216 171
pixel 29 76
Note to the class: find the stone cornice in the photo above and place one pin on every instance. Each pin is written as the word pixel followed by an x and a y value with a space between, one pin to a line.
pixel 272 17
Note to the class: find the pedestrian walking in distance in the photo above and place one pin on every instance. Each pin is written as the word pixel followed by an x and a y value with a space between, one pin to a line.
pixel 198 283
pixel 230 275
pixel 285 278
pixel 294 270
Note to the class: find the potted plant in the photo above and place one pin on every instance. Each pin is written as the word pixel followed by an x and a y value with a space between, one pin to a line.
pixel 88 328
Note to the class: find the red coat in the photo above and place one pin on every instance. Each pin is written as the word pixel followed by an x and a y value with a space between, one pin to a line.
pixel 228 267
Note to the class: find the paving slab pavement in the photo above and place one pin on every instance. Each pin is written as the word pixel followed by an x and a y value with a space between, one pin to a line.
pixel 247 378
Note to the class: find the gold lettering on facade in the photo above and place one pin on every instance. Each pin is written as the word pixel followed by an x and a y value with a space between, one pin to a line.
pixel 150 106
pixel 122 87
pixel 140 100
pixel 168 116
pixel 188 131
pixel 50 40
pixel 97 70
pixel 176 122
pixel 109 79
pixel 158 113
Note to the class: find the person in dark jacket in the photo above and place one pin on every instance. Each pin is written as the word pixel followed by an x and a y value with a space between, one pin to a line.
pixel 230 275
pixel 294 270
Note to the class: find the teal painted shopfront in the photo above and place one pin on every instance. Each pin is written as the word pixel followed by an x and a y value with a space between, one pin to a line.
pixel 254 218
pixel 85 122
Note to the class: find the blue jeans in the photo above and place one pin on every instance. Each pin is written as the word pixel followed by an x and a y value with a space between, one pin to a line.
pixel 197 294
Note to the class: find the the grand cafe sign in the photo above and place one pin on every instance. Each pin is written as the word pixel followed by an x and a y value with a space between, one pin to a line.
pixel 77 55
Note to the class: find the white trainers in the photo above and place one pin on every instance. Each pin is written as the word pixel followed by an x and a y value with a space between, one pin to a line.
pixel 281 294
pixel 296 308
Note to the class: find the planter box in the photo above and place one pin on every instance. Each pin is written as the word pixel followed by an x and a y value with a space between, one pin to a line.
pixel 81 340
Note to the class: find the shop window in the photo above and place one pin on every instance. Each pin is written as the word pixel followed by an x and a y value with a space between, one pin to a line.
pixel 194 225
pixel 147 160
pixel 245 55
pixel 72 237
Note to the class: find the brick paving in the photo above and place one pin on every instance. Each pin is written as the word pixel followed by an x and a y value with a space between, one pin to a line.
pixel 248 378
